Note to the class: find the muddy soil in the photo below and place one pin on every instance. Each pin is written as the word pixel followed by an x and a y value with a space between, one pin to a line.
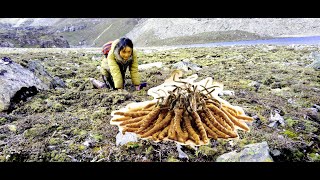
pixel 71 124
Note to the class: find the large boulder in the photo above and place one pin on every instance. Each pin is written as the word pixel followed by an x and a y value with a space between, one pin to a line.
pixel 315 56
pixel 39 70
pixel 17 83
pixel 258 152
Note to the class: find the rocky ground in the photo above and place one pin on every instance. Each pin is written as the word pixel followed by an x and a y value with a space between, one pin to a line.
pixel 72 123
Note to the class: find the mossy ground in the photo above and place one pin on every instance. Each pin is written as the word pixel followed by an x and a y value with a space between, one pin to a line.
pixel 72 123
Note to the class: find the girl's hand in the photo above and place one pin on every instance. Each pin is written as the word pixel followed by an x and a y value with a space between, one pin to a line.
pixel 137 87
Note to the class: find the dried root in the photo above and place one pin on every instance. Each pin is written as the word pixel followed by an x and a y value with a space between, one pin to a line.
pixel 187 115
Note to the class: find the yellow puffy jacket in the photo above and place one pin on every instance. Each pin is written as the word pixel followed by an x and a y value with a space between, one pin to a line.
pixel 118 66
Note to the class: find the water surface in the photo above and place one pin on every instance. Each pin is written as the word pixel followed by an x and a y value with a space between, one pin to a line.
pixel 309 40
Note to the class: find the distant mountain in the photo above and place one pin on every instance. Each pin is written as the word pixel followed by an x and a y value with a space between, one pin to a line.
pixel 83 32
pixel 176 31
pixel 94 32
pixel 24 37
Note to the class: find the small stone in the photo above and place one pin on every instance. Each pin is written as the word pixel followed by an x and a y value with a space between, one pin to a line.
pixel 182 154
pixel 275 152
pixel 12 128
pixel 127 137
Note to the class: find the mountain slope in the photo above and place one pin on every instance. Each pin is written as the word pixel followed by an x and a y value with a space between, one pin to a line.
pixel 94 32
pixel 168 31
pixel 77 31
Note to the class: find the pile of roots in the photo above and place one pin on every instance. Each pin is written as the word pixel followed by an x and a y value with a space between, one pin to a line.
pixel 188 113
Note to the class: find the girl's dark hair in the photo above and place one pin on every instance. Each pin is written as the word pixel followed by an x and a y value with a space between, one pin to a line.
pixel 124 42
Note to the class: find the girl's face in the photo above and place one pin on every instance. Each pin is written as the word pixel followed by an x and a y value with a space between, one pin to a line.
pixel 126 52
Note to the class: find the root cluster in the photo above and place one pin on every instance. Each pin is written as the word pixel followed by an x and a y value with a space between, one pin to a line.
pixel 185 115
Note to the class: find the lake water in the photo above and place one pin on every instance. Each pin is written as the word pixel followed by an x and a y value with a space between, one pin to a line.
pixel 310 40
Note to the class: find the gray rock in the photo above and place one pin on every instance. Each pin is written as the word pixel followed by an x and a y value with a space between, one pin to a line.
pixel 317 107
pixel 150 65
pixel 182 154
pixel 275 152
pixel 276 119
pixel 258 152
pixel 316 60
pixel 186 66
pixel 312 114
pixel 14 79
pixel 226 93
pixel 39 70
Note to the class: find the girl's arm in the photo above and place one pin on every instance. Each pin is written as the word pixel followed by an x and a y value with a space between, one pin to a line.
pixel 135 76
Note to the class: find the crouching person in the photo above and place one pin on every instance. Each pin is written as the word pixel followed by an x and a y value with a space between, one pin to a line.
pixel 121 57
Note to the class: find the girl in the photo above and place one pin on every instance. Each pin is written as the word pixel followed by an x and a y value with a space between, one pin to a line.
pixel 117 60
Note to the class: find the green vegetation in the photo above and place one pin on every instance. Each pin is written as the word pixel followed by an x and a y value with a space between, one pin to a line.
pixel 72 123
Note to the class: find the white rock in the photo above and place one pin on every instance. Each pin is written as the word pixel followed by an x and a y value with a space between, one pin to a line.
pixel 150 65
pixel 127 137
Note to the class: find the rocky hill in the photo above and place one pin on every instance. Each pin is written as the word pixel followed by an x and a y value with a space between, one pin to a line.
pixel 25 37
pixel 78 32
pixel 94 32
pixel 172 31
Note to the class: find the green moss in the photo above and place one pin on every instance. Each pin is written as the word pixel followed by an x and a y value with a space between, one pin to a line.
pixel 249 140
pixel 97 137
pixel 37 130
pixel 55 141
pixel 141 93
pixel 72 146
pixel 80 133
pixel 53 153
pixel 244 83
pixel 100 114
pixel 297 155
pixel 310 127
pixel 315 157
pixel 83 133
pixel 243 142
pixel 76 131
pixel 132 145
pixel 262 118
pixel 38 106
pixel 291 122
pixel 2 120
pixel 61 157
pixel 149 150
pixel 290 134
pixel 58 107
pixel 205 150
pixel 2 158
pixel 81 147
pixel 96 149
pixel 172 159
pixel 268 160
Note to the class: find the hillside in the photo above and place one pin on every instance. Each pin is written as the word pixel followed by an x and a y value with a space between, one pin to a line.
pixel 173 31
pixel 94 32
pixel 79 32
